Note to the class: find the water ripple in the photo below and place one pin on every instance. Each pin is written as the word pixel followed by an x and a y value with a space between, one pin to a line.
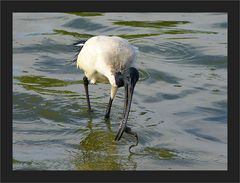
pixel 198 132
pixel 179 108
pixel 84 24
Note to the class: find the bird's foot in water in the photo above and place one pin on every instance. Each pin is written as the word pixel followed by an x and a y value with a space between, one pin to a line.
pixel 89 110
pixel 106 116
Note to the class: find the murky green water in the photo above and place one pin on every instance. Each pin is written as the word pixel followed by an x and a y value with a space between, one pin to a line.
pixel 179 107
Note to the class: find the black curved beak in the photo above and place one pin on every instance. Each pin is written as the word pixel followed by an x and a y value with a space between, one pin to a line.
pixel 130 80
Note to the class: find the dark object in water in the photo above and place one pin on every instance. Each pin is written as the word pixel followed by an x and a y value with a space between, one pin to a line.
pixel 129 131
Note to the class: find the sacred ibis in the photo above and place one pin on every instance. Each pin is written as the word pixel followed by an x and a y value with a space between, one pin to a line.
pixel 109 59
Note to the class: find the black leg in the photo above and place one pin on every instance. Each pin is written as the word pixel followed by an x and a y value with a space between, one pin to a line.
pixel 109 108
pixel 85 82
pixel 126 101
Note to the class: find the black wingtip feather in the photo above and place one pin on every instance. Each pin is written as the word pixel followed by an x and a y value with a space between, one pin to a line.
pixel 80 45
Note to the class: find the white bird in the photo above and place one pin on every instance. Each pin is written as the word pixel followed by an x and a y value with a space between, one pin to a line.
pixel 106 59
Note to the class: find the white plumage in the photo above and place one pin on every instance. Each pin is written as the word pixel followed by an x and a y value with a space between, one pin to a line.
pixel 103 56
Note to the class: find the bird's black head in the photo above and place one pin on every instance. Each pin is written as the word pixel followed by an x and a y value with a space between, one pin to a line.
pixel 131 76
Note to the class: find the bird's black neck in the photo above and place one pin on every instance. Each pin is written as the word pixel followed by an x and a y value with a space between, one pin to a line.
pixel 119 79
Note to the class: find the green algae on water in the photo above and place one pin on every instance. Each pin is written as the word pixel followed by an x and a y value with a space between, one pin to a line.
pixel 87 36
pixel 161 153
pixel 99 152
pixel 74 34
pixel 41 84
pixel 14 161
pixel 151 24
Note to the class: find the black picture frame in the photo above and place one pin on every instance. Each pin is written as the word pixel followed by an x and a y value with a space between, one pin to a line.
pixel 232 9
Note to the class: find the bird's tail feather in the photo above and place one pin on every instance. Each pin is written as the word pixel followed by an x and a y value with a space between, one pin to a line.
pixel 80 45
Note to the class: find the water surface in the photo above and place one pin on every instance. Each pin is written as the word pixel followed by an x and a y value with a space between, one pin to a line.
pixel 179 106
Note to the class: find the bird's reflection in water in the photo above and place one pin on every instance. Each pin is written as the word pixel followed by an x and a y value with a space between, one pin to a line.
pixel 99 151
